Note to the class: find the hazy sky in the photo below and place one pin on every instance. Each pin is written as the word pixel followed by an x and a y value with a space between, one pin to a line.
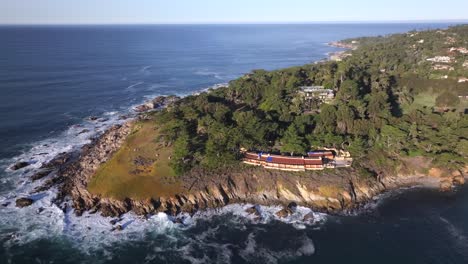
pixel 225 11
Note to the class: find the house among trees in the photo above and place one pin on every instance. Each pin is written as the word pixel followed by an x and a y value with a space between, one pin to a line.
pixel 315 160
pixel 317 93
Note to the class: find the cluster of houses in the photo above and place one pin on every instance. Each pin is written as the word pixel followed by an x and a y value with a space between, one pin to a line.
pixel 315 160
pixel 441 63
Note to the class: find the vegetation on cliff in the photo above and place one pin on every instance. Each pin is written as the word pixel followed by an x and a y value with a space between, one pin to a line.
pixel 390 103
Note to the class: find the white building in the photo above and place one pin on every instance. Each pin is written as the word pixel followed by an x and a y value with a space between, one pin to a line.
pixel 440 59
pixel 317 92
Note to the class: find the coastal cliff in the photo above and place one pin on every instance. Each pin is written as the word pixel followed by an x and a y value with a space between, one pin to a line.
pixel 328 191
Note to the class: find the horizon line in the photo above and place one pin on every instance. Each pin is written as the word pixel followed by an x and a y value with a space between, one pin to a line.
pixel 423 21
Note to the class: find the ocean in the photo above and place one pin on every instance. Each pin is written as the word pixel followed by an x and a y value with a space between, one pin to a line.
pixel 53 79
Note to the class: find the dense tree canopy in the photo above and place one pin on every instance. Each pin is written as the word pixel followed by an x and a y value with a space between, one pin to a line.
pixel 377 113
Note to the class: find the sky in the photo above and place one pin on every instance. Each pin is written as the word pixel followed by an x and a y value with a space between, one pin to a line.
pixel 226 11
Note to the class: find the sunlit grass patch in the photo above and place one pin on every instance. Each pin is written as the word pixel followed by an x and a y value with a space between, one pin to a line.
pixel 139 169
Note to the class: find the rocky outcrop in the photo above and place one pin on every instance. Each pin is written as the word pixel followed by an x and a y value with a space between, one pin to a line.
pixel 156 103
pixel 23 202
pixel 19 165
pixel 76 175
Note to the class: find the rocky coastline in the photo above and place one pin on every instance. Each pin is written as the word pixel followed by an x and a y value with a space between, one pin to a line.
pixel 340 55
pixel 328 191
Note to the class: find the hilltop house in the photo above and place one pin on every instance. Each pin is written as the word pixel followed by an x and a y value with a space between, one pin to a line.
pixel 315 160
pixel 318 93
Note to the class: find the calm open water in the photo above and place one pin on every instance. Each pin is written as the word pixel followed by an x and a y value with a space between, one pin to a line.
pixel 52 79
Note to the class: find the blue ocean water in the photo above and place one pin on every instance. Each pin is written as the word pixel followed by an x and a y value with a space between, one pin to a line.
pixel 52 79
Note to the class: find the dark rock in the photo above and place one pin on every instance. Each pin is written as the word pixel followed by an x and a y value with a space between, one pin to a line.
pixel 40 174
pixel 309 217
pixel 83 131
pixel 118 228
pixel 19 165
pixel 5 204
pixel 292 206
pixel 23 202
pixel 93 118
pixel 285 212
pixel 178 221
pixel 40 210
pixel 58 161
pixel 115 221
pixel 253 210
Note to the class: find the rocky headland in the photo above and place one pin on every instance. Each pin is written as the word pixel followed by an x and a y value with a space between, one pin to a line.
pixel 332 191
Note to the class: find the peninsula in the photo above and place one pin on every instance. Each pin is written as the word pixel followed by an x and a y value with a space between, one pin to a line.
pixel 392 109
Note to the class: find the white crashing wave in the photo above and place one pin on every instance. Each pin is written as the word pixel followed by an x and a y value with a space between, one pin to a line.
pixel 216 75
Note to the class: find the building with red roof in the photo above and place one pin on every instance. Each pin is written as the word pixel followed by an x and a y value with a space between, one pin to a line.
pixel 315 160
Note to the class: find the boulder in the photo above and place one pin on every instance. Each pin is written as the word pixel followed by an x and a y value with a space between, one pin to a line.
pixel 23 202
pixel 285 212
pixel 292 206
pixel 40 174
pixel 83 131
pixel 445 185
pixel 115 221
pixel 253 211
pixel 458 178
pixel 309 217
pixel 19 165
pixel 118 228
pixel 145 107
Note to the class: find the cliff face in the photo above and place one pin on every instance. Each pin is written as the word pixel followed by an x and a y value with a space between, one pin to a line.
pixel 329 191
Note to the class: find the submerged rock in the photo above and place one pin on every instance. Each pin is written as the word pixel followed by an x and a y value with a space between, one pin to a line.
pixel 19 165
pixel 23 202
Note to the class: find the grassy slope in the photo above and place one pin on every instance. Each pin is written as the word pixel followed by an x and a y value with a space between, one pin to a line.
pixel 122 177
